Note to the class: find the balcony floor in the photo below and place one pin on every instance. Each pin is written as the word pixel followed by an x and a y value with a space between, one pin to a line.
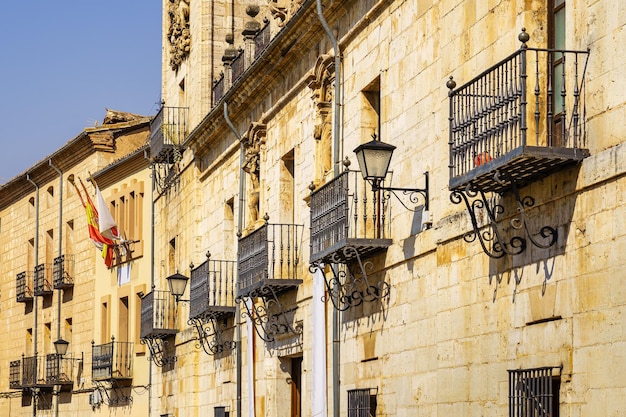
pixel 274 285
pixel 521 166
pixel 338 254
pixel 216 312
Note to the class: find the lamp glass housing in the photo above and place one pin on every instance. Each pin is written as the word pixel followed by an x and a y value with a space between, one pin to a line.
pixel 177 284
pixel 374 158
pixel 60 347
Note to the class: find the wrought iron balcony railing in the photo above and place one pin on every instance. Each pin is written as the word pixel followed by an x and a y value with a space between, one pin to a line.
pixel 238 65
pixel 33 372
pixel 158 315
pixel 24 287
pixel 212 292
pixel 346 213
pixel 218 88
pixel 519 120
pixel 212 302
pixel 168 130
pixel 59 369
pixel 112 361
pixel 262 39
pixel 268 258
pixel 42 280
pixel 15 374
pixel 63 272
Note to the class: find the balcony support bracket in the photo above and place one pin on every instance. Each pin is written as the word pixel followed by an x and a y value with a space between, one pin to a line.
pixel 268 315
pixel 210 335
pixel 491 234
pixel 157 345
pixel 350 287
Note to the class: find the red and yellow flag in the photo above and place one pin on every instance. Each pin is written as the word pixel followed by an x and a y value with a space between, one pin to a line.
pixel 104 244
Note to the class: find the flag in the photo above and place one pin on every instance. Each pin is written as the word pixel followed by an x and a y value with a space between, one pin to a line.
pixel 106 224
pixel 104 244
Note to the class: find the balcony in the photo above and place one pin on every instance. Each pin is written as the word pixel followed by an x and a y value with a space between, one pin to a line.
pixel 112 361
pixel 158 315
pixel 212 302
pixel 348 219
pixel 168 130
pixel 212 293
pixel 158 323
pixel 59 370
pixel 42 281
pixel 519 120
pixel 63 272
pixel 268 260
pixel 24 287
pixel 33 372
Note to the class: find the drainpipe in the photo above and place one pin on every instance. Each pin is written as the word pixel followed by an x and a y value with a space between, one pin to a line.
pixel 239 227
pixel 59 298
pixel 337 161
pixel 35 301
pixel 152 176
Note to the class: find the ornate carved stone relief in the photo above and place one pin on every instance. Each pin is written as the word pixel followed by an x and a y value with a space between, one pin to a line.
pixel 253 140
pixel 321 82
pixel 178 34
pixel 282 10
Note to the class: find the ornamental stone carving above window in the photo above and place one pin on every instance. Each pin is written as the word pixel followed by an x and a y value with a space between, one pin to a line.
pixel 282 10
pixel 178 34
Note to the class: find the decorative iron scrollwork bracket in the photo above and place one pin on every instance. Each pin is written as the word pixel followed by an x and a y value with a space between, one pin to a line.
pixel 269 317
pixel 350 288
pixel 413 194
pixel 117 395
pixel 491 236
pixel 210 332
pixel 156 345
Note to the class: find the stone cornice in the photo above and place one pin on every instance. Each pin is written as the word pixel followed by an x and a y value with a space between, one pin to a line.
pixel 74 152
pixel 297 38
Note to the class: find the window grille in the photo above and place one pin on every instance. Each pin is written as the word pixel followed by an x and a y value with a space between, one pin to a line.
pixel 362 402
pixel 221 412
pixel 534 392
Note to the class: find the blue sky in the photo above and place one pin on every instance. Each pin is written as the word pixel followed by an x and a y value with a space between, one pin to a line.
pixel 63 63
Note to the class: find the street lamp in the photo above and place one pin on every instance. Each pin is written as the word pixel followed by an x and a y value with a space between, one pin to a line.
pixel 60 347
pixel 177 284
pixel 374 158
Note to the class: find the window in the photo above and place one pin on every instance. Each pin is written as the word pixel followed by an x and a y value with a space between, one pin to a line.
pixel 370 110
pixel 534 392
pixel 362 402
pixel 556 64
pixel 286 188
pixel 126 206
pixel 221 412
pixel 123 325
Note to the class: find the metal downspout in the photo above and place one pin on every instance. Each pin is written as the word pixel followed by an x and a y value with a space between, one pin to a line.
pixel 59 299
pixel 145 155
pixel 35 301
pixel 336 164
pixel 239 226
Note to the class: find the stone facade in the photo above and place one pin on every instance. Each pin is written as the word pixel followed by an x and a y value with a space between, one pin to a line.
pixel 426 306
pixel 83 303
pixel 449 321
